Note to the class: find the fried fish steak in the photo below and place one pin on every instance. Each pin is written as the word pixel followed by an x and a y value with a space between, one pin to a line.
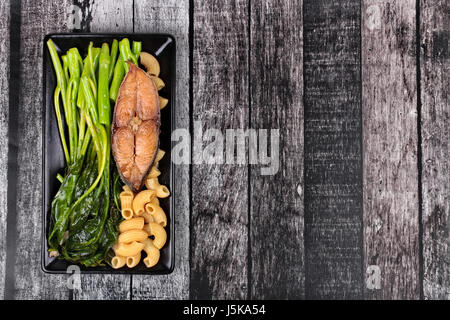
pixel 135 129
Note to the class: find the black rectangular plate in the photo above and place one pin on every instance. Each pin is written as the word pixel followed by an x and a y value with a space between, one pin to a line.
pixel 163 47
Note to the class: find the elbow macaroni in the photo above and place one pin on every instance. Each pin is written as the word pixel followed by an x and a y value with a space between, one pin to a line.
pixel 152 183
pixel 133 260
pixel 132 236
pixel 157 214
pixel 143 227
pixel 133 223
pixel 159 155
pixel 152 254
pixel 126 201
pixel 160 190
pixel 154 172
pixel 147 217
pixel 140 200
pixel 155 200
pixel 128 249
pixel 118 262
pixel 156 231
pixel 162 102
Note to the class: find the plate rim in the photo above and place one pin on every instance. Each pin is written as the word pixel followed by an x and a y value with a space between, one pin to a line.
pixel 173 81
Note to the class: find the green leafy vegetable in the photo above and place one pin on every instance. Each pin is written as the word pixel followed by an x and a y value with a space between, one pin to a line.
pixel 85 211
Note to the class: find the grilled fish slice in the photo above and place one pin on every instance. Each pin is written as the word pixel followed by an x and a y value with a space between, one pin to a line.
pixel 135 129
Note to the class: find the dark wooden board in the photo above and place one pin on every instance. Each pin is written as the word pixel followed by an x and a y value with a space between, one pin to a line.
pixel 219 230
pixel 359 92
pixel 37 19
pixel 435 97
pixel 109 16
pixel 333 155
pixel 4 112
pixel 171 16
pixel 391 202
pixel 276 201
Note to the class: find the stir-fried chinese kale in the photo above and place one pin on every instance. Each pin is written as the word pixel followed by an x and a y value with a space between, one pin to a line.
pixel 85 211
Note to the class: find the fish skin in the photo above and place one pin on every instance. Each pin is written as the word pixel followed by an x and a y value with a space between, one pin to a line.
pixel 136 127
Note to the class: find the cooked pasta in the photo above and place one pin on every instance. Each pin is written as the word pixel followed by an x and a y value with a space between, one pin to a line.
pixel 152 253
pixel 156 231
pixel 126 202
pixel 159 155
pixel 157 213
pixel 128 249
pixel 163 102
pixel 154 172
pixel 155 200
pixel 130 224
pixel 118 262
pixel 132 236
pixel 152 183
pixel 133 260
pixel 147 217
pixel 160 190
pixel 140 200
pixel 143 227
pixel 159 83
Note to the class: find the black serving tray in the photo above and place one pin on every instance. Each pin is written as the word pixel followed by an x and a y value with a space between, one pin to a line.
pixel 163 47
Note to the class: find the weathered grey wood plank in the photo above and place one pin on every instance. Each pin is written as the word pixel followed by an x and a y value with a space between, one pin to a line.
pixel 171 16
pixel 333 155
pixel 4 111
pixel 110 16
pixel 219 233
pixel 38 18
pixel 391 205
pixel 106 16
pixel 435 97
pixel 276 207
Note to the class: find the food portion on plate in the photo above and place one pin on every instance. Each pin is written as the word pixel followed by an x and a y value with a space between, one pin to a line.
pixel 144 221
pixel 135 131
pixel 106 104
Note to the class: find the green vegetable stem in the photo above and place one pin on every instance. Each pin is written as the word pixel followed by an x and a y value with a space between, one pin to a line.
pixel 125 53
pixel 119 74
pixel 104 109
pixel 137 48
pixel 114 51
pixel 85 212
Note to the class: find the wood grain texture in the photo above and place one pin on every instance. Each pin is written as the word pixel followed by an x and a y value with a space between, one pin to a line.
pixel 4 111
pixel 171 16
pixel 38 18
pixel 276 84
pixel 435 97
pixel 333 155
pixel 391 205
pixel 107 16
pixel 219 233
pixel 110 16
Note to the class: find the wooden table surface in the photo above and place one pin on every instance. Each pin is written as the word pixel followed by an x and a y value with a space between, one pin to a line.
pixel 359 208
